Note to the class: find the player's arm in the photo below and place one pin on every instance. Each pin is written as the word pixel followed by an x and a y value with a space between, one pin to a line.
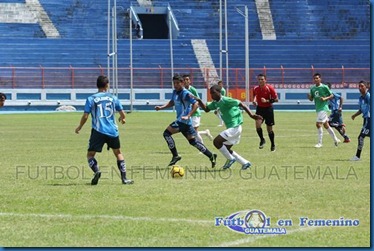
pixel 356 114
pixel 273 95
pixel 82 122
pixel 122 117
pixel 310 96
pixel 341 103
pixel 249 112
pixel 328 97
pixel 193 110
pixel 201 104
pixel 167 105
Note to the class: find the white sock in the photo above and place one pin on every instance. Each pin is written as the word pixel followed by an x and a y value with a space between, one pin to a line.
pixel 239 158
pixel 320 135
pixel 332 134
pixel 199 138
pixel 225 152
pixel 203 132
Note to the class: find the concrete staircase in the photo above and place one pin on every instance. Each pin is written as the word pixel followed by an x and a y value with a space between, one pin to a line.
pixel 204 59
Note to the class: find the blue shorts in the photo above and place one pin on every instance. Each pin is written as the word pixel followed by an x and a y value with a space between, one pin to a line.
pixel 185 129
pixel 335 119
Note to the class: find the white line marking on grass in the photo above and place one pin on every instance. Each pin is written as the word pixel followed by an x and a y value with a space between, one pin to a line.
pixel 258 237
pixel 109 217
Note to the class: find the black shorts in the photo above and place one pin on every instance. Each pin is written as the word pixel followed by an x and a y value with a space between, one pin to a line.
pixel 267 113
pixel 97 141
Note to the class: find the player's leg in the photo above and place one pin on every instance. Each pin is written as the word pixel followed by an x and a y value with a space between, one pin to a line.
pixel 96 143
pixel 331 132
pixel 189 133
pixel 196 123
pixel 121 164
pixel 258 123
pixel 114 143
pixel 169 131
pixel 365 131
pixel 320 135
pixel 269 121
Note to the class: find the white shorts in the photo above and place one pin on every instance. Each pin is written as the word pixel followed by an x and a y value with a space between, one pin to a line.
pixel 195 121
pixel 322 117
pixel 232 135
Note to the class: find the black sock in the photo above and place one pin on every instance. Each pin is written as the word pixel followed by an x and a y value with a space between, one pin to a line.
pixel 271 137
pixel 202 148
pixel 92 163
pixel 121 164
pixel 260 134
pixel 170 141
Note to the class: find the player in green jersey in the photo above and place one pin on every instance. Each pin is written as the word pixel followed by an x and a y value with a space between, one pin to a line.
pixel 223 93
pixel 321 94
pixel 196 116
pixel 233 118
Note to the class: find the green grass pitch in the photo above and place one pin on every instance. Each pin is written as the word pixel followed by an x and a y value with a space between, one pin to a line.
pixel 46 199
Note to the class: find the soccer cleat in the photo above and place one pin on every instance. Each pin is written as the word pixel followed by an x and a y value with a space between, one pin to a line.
pixel 96 178
pixel 209 135
pixel 174 160
pixel 262 143
pixel 127 182
pixel 246 166
pixel 355 158
pixel 228 163
pixel 347 140
pixel 336 142
pixel 213 160
pixel 319 145
pixel 272 148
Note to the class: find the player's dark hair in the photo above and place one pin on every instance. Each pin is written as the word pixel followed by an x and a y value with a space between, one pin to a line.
pixel 186 76
pixel 178 77
pixel 2 96
pixel 102 81
pixel 261 75
pixel 328 84
pixel 364 82
pixel 316 74
pixel 216 88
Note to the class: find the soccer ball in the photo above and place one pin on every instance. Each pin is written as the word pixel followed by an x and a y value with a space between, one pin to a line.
pixel 177 172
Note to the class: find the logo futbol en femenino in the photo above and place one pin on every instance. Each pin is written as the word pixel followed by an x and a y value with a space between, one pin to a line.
pixel 249 222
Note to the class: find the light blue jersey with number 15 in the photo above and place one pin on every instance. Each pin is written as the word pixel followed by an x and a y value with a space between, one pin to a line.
pixel 103 106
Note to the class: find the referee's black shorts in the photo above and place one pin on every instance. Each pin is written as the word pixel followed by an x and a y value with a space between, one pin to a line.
pixel 97 141
pixel 267 113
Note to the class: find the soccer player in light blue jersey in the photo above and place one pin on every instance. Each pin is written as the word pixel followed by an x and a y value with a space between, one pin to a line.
pixel 336 118
pixel 102 106
pixel 185 107
pixel 364 103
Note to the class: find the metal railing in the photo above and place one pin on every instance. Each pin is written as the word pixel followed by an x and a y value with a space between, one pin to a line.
pixel 72 77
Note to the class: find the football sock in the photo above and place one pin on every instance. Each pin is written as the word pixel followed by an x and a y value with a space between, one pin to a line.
pixel 225 152
pixel 360 145
pixel 332 134
pixel 199 138
pixel 121 164
pixel 92 163
pixel 271 137
pixel 320 135
pixel 201 147
pixel 170 141
pixel 239 158
pixel 260 134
